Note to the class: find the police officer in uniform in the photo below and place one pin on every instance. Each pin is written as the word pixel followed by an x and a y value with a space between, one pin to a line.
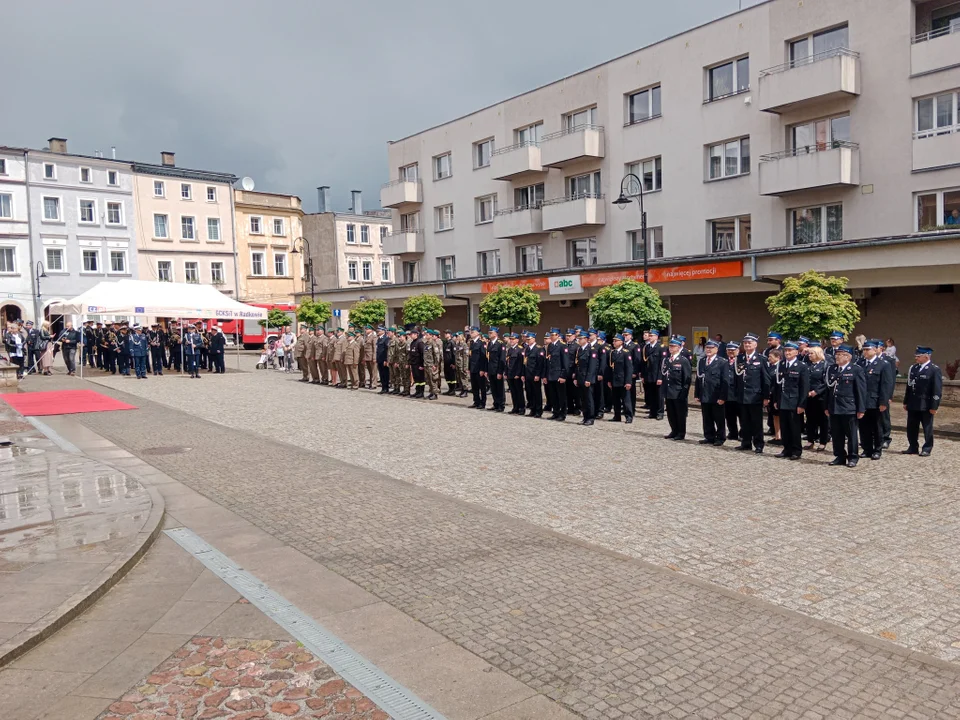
pixel 879 377
pixel 652 355
pixel 585 376
pixel 534 364
pixel 515 374
pixel 794 378
pixel 675 386
pixel 711 391
pixel 620 378
pixel 478 367
pixel 921 401
pixel 845 406
pixel 558 368
pixel 753 394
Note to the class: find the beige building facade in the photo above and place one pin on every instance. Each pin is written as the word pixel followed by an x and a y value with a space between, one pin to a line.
pixel 781 138
pixel 185 228
pixel 269 227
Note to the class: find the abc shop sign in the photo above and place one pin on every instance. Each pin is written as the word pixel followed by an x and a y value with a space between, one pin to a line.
pixel 565 285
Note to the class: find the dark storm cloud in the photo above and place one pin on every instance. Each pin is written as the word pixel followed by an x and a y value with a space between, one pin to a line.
pixel 295 93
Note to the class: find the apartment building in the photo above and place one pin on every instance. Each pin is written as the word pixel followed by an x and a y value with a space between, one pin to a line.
pixel 784 137
pixel 16 286
pixel 348 247
pixel 269 243
pixel 185 225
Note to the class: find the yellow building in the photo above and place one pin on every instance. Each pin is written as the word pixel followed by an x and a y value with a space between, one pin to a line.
pixel 268 226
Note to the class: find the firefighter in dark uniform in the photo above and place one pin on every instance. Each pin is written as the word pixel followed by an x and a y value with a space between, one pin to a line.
pixel 534 363
pixel 620 378
pixel 573 395
pixel 774 340
pixel 652 355
pixel 416 363
pixel 753 394
pixel 921 401
pixel 632 348
pixel 558 368
pixel 603 395
pixel 891 369
pixel 731 408
pixel 676 376
pixel 845 406
pixel 478 366
pixel 880 377
pixel 830 352
pixel 794 378
pixel 712 390
pixel 586 371
pixel 496 369
pixel 514 373
pixel 683 349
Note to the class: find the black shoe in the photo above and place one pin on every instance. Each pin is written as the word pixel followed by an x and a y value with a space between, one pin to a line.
pixel 553 417
pixel 781 454
pixel 875 456
pixel 836 462
pixel 851 463
pixel 886 444
pixel 659 417
pixel 463 395
pixel 671 436
pixel 576 413
pixel 909 452
pixel 734 438
pixel 431 396
pixel 704 442
pixel 924 453
pixel 613 419
pixel 718 443
pixel 743 447
pixel 758 451
pixel 629 421
pixel 776 443
pixel 794 457
pixel 588 423
pixel 864 455
pixel 491 409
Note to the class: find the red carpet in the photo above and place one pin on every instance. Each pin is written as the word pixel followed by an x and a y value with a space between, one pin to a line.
pixel 63 402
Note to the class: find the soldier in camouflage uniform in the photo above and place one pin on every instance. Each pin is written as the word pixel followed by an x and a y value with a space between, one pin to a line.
pixel 300 353
pixel 462 354
pixel 403 364
pixel 430 364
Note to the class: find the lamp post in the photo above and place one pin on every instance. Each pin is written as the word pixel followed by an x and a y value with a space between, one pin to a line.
pixel 306 243
pixel 37 305
pixel 622 203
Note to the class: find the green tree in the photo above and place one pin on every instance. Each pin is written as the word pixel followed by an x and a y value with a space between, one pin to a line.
pixel 813 305
pixel 422 309
pixel 314 314
pixel 276 318
pixel 368 312
pixel 511 306
pixel 628 303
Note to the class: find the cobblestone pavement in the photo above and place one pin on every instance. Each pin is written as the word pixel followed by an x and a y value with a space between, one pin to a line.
pixel 608 636
pixel 215 677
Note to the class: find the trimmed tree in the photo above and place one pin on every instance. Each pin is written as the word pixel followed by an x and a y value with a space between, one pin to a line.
pixel 628 303
pixel 276 318
pixel 314 314
pixel 368 312
pixel 422 309
pixel 814 305
pixel 511 306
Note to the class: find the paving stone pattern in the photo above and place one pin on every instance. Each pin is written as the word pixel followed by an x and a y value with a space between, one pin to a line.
pixel 608 636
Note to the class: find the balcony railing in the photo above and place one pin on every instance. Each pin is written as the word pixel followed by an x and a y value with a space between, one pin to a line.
pixel 921 134
pixel 809 60
pixel 809 150
pixel 518 146
pixel 400 181
pixel 638 121
pixel 518 208
pixel 571 198
pixel 940 32
pixel 571 131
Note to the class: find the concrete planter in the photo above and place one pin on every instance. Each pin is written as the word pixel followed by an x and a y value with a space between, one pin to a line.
pixel 8 376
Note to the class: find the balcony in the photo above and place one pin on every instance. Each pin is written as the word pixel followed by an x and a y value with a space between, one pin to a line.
pixel 517 222
pixel 516 160
pixel 568 212
pixel 564 147
pixel 818 166
pixel 400 192
pixel 936 149
pixel 827 76
pixel 935 50
pixel 405 242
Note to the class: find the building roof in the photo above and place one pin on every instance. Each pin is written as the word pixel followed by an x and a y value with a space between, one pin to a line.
pixel 185 173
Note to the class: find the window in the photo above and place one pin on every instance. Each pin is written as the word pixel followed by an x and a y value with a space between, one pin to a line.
pixel 186 191
pixel 113 178
pixel 213 229
pixel 729 159
pixel 280 264
pixel 643 105
pixel 164 271
pixel 481 153
pixel 86 176
pixel 367 270
pixel 583 186
pixel 486 206
pixel 938 210
pixel 160 226
pixel 383 232
pixel 54 259
pixel 385 271
pixel 583 252
pixel 823 44
pixel 447 267
pixel 820 134
pixel 216 273
pixel 728 79
pixel 938 115
pixel 654 243
pixel 650 173
pixel 730 234
pixel 49 171
pixel 442 167
pixel 6 205
pixel 191 272
pixel 187 229
pixel 257 263
pixel 816 224
pixel 411 272
pixel 278 226
pixel 88 211
pixel 410 222
pixel 114 213
pixel 3 166
pixel 410 173
pixel 364 234
pixel 256 225
pixel 352 270
pixel 211 193
pixel 580 119
pixel 159 189
pixel 528 197
pixel 530 258
pixel 488 263
pixel 444 217
pixel 8 260
pixel 118 261
pixel 91 261
pixel 529 135
pixel 51 209
pixel 351 233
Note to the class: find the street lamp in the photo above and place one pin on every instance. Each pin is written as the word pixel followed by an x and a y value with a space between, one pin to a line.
pixel 622 203
pixel 306 243
pixel 40 273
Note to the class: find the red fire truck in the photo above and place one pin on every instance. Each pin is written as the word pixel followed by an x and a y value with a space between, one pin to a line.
pixel 251 334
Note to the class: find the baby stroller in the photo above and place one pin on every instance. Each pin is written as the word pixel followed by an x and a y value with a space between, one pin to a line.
pixel 268 358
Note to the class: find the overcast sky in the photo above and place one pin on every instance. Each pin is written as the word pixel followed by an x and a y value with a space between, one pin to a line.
pixel 295 93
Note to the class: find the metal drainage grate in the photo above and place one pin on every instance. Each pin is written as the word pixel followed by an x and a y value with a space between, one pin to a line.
pixel 166 450
pixel 394 699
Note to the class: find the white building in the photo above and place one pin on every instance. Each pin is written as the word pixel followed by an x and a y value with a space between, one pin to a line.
pixel 16 288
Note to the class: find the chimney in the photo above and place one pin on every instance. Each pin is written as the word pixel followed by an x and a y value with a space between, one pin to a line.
pixel 58 145
pixel 113 151
pixel 323 198
pixel 357 206
pixel 166 158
